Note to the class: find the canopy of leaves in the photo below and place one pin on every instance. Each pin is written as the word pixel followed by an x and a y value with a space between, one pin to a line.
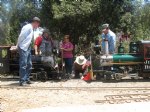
pixel 77 17
pixel 83 17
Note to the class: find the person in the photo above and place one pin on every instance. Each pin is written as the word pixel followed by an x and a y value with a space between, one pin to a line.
pixel 80 65
pixel 43 46
pixel 24 48
pixel 110 36
pixel 67 54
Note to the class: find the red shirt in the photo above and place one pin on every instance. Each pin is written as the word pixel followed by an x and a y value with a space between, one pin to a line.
pixel 38 41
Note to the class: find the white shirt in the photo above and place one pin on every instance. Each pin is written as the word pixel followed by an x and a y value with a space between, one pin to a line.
pixel 25 37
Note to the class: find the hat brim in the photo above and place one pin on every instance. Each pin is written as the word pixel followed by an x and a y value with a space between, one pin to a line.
pixel 104 29
pixel 36 19
pixel 80 63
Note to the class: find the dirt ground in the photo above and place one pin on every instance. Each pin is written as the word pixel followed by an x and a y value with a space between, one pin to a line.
pixel 14 98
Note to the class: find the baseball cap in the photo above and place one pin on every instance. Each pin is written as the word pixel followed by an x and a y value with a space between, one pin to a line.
pixel 36 19
pixel 105 26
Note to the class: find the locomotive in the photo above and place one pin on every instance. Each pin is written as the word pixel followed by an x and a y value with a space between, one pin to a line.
pixel 43 67
pixel 134 64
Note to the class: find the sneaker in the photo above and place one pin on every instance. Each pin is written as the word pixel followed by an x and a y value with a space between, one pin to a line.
pixel 29 82
pixel 72 76
pixel 67 76
pixel 80 74
pixel 22 84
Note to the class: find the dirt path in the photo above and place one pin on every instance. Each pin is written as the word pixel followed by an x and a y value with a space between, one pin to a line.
pixel 75 92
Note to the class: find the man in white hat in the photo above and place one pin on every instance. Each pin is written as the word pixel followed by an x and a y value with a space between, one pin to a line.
pixel 110 36
pixel 80 65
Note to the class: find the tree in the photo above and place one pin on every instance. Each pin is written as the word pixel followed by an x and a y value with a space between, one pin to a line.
pixel 23 12
pixel 47 13
pixel 13 13
pixel 4 22
pixel 77 17
pixel 142 23
pixel 83 17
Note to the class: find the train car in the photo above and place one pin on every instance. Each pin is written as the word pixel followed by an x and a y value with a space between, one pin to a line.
pixel 134 64
pixel 41 70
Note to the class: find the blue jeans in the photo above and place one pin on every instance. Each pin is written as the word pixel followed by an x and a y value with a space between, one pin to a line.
pixel 68 65
pixel 25 64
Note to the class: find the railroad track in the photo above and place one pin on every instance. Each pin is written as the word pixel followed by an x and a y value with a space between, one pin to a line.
pixel 78 88
pixel 141 94
pixel 124 98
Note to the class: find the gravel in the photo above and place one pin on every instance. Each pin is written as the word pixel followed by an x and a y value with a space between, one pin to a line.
pixel 43 94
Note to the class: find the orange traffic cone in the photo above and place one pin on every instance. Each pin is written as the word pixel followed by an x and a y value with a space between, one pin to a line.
pixel 87 77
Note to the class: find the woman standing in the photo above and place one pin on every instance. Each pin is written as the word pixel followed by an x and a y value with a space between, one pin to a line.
pixel 67 48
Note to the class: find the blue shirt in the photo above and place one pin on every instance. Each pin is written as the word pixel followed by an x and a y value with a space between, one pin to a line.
pixel 111 37
pixel 25 37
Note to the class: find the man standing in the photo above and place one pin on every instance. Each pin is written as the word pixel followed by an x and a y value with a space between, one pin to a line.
pixel 24 48
pixel 107 34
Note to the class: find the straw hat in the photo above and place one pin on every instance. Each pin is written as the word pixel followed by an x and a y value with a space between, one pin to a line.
pixel 81 60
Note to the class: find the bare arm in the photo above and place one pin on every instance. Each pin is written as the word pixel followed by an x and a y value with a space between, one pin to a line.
pixel 36 49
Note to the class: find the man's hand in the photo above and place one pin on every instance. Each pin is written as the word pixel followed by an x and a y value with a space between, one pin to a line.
pixel 14 48
pixel 36 53
pixel 87 64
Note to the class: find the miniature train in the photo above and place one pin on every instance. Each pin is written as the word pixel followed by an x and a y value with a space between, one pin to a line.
pixel 134 64
pixel 41 68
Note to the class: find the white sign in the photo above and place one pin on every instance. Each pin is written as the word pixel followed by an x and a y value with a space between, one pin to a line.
pixel 1 64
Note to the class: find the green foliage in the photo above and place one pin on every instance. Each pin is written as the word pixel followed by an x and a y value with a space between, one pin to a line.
pixel 137 22
pixel 4 23
pixel 14 13
pixel 83 17
pixel 126 22
pixel 72 8
pixel 142 23
pixel 46 13
pixel 79 18
pixel 69 17
pixel 22 13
